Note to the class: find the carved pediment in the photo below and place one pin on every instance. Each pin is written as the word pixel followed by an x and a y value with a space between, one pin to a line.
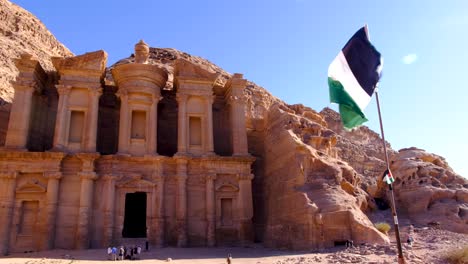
pixel 31 186
pixel 92 63
pixel 132 75
pixel 187 70
pixel 135 182
pixel 226 187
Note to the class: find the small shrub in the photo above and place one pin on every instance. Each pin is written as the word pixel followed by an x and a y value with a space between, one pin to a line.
pixel 457 255
pixel 383 227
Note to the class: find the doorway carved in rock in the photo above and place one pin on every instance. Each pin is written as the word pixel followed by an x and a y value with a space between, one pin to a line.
pixel 135 215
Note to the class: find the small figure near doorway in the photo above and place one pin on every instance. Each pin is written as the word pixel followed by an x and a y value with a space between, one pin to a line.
pixel 114 253
pixel 109 252
pixel 121 253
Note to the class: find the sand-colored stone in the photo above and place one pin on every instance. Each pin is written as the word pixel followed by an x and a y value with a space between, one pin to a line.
pixel 428 190
pixel 314 182
pixel 71 196
pixel 21 32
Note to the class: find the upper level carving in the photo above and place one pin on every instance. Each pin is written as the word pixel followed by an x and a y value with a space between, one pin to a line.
pixel 131 113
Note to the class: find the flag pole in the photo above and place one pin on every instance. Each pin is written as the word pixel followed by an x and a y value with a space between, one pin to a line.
pixel 401 258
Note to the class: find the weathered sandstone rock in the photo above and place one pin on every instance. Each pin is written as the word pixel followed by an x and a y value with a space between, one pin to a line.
pixel 428 190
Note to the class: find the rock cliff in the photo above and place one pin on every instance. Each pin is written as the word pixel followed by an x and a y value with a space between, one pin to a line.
pixel 314 182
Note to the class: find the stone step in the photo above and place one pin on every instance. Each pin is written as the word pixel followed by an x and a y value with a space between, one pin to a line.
pixel 140 241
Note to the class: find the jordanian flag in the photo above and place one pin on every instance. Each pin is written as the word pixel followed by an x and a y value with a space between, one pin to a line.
pixel 352 78
pixel 388 177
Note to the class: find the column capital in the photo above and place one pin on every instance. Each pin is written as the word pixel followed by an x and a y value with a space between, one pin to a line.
pixel 181 97
pixel 88 161
pixel 235 99
pixel 211 176
pixel 24 85
pixel 245 176
pixel 88 175
pixel 210 99
pixel 109 177
pixel 55 175
pixel 96 92
pixel 158 177
pixel 63 89
pixel 8 174
pixel 122 93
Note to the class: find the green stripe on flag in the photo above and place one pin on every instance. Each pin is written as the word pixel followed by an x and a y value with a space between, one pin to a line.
pixel 351 114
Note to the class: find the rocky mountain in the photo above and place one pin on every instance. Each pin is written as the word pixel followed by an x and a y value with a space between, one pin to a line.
pixel 314 182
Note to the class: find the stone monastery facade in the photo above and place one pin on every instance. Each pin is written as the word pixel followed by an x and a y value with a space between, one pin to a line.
pixel 90 161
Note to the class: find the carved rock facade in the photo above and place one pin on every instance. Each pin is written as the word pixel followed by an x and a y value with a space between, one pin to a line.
pixel 90 161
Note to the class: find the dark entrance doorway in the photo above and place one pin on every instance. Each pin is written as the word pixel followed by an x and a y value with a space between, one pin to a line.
pixel 135 215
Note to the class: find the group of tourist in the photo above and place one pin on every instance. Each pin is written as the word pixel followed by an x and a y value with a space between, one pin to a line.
pixel 123 252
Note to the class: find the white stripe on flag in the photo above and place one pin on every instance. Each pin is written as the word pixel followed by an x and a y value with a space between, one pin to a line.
pixel 339 70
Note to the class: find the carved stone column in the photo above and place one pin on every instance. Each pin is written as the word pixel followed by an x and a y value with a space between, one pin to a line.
pixel 239 131
pixel 210 210
pixel 84 214
pixel 160 212
pixel 61 122
pixel 245 207
pixel 235 96
pixel 94 95
pixel 181 210
pixel 209 125
pixel 124 136
pixel 20 115
pixel 153 125
pixel 6 209
pixel 88 176
pixel 51 209
pixel 109 197
pixel 182 124
pixel 31 78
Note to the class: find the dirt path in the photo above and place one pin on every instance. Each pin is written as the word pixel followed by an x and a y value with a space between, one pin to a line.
pixel 429 247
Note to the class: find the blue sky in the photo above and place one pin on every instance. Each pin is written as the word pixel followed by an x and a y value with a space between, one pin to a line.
pixel 287 45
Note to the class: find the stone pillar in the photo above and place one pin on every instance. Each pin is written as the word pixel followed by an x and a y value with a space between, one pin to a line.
pixel 210 210
pixel 20 115
pixel 245 207
pixel 6 209
pixel 88 176
pixel 52 196
pixel 109 197
pixel 235 96
pixel 209 125
pixel 182 124
pixel 84 214
pixel 124 136
pixel 181 210
pixel 94 95
pixel 153 125
pixel 62 113
pixel 239 130
pixel 160 213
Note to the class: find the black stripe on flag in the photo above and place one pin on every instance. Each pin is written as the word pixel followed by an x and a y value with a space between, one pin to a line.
pixel 363 60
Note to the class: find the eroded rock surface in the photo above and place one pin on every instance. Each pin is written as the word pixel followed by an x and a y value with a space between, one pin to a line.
pixel 429 191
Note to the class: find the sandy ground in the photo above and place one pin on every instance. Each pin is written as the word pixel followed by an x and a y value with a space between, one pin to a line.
pixel 429 247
